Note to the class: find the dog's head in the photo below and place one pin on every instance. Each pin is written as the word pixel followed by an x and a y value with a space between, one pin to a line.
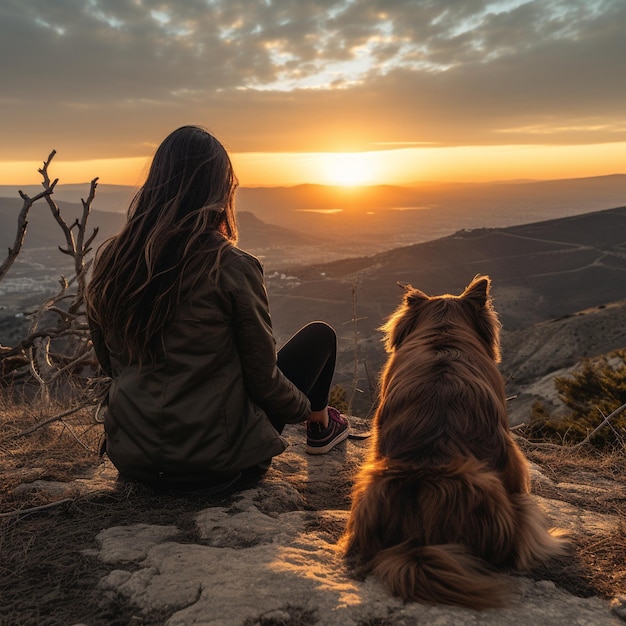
pixel 473 310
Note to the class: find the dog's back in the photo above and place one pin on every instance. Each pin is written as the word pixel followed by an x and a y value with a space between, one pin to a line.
pixel 442 394
pixel 444 497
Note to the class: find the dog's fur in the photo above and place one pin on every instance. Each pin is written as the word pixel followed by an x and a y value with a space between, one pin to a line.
pixel 443 500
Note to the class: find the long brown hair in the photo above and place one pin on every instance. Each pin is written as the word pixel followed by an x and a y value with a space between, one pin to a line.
pixel 184 209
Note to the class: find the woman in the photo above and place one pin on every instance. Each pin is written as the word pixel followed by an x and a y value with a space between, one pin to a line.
pixel 180 322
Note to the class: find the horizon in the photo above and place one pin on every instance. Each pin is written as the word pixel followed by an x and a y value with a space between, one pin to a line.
pixel 350 94
pixel 345 189
pixel 439 166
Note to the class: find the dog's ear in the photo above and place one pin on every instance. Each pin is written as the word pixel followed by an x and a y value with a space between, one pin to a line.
pixel 404 320
pixel 415 297
pixel 478 292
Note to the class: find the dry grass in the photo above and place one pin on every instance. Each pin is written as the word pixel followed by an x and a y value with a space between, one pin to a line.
pixel 46 578
pixel 60 451
pixel 585 466
pixel 599 567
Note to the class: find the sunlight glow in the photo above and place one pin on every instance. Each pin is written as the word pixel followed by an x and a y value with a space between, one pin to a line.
pixel 348 169
pixel 398 166
pixel 125 171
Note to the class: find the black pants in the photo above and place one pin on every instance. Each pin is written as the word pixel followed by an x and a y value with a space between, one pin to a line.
pixel 308 361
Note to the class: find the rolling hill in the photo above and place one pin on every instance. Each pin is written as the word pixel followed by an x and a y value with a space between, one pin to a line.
pixel 44 232
pixel 541 271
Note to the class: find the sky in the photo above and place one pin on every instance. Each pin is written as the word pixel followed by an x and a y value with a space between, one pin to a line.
pixel 324 91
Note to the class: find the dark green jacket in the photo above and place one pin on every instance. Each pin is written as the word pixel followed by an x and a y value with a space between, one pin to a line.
pixel 200 412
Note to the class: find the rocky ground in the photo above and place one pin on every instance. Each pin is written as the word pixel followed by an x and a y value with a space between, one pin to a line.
pixel 113 553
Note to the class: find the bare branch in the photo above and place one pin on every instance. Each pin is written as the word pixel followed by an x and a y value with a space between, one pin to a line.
pixel 70 430
pixel 56 213
pixel 91 238
pixel 618 436
pixel 44 170
pixel 66 315
pixel 55 352
pixel 81 359
pixel 55 418
pixel 26 343
pixel 22 224
pixel 34 509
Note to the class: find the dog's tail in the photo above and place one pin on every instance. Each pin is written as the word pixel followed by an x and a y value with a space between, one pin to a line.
pixel 458 525
pixel 446 574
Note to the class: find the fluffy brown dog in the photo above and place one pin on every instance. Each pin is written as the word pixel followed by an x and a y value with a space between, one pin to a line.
pixel 444 497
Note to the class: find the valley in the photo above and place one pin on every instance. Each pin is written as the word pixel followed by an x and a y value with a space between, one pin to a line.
pixel 346 271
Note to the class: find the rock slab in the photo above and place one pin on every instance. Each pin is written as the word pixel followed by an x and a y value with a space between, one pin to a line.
pixel 264 561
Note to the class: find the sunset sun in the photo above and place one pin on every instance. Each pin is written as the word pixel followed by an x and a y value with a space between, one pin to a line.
pixel 348 169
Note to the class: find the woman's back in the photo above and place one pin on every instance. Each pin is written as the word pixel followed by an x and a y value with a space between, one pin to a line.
pixel 195 411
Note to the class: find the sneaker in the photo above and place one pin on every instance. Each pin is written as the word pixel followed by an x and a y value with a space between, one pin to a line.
pixel 320 440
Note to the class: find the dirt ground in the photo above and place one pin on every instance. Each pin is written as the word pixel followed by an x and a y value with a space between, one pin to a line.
pixel 46 578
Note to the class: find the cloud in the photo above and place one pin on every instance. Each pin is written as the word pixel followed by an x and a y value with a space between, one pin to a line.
pixel 99 78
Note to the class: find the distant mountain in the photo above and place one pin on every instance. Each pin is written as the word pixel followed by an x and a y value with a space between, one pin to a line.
pixel 40 264
pixel 591 190
pixel 384 217
pixel 115 198
pixel 44 232
pixel 387 216
pixel 540 269
pixel 257 236
pixel 576 194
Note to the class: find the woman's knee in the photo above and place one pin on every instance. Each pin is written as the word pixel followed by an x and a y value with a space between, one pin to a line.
pixel 322 331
